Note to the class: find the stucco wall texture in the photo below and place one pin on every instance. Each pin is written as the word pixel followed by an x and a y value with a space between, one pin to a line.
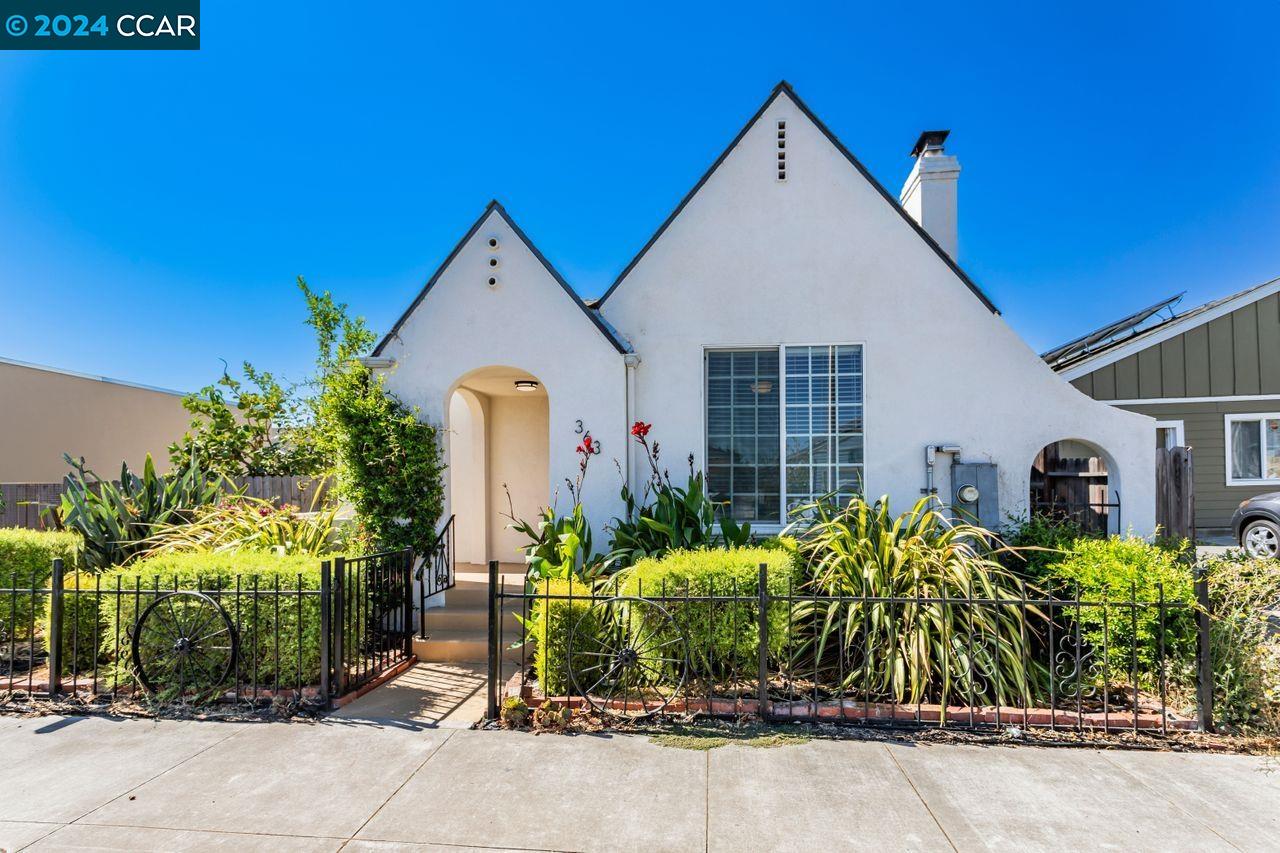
pixel 751 261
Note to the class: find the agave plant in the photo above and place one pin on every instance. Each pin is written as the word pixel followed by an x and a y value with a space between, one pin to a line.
pixel 115 517
pixel 899 624
pixel 244 523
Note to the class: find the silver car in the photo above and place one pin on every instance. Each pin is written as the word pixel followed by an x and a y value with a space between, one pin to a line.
pixel 1256 525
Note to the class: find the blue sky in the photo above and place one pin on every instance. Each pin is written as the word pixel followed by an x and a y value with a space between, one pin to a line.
pixel 156 207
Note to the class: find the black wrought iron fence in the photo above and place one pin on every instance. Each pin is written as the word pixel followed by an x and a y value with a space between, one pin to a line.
pixel 1041 658
pixel 372 629
pixel 307 638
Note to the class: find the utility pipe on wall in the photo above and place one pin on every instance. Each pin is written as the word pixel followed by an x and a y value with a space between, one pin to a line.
pixel 632 361
pixel 931 452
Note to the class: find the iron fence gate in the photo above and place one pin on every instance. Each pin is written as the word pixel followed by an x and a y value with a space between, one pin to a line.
pixel 372 617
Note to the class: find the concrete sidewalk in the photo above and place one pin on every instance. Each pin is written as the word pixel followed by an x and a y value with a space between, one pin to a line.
pixel 364 784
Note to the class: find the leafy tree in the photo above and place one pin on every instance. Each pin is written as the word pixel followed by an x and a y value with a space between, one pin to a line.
pixel 256 428
pixel 388 461
pixel 385 461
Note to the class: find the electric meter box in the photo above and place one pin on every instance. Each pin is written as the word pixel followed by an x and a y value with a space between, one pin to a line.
pixel 975 493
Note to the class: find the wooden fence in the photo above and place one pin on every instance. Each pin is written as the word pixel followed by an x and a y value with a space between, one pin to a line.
pixel 23 502
pixel 1175 493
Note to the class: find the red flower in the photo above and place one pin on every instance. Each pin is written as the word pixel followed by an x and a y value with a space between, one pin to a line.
pixel 640 429
pixel 586 446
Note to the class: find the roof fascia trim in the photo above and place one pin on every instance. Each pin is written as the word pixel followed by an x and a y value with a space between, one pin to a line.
pixel 613 337
pixel 75 374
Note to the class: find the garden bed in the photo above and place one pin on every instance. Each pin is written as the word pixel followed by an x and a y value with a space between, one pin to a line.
pixel 1146 718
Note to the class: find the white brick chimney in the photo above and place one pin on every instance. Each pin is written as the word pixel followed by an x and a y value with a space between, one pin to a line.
pixel 929 194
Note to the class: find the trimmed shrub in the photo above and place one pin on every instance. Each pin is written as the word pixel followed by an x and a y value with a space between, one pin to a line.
pixel 722 636
pixel 1113 570
pixel 550 623
pixel 264 624
pixel 26 560
pixel 83 629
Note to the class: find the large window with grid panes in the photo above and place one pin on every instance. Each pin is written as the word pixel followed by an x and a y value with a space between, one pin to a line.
pixel 784 427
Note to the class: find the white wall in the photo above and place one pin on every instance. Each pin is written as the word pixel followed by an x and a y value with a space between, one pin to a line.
pixel 518 444
pixel 823 258
pixel 468 475
pixel 527 322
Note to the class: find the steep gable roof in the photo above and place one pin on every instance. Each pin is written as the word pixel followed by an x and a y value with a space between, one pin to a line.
pixel 785 88
pixel 618 342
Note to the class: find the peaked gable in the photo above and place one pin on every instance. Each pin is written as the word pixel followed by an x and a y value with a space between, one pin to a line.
pixel 611 334
pixel 785 88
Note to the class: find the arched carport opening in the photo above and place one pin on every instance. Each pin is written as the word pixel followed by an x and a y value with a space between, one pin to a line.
pixel 498 460
pixel 1078 480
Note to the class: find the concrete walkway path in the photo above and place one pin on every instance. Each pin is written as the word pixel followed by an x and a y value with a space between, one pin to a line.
pixel 358 784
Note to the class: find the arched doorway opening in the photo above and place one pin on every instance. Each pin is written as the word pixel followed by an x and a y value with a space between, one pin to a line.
pixel 499 444
pixel 1077 480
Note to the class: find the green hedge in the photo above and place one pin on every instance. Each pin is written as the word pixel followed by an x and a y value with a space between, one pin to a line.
pixel 1113 570
pixel 26 560
pixel 83 628
pixel 722 636
pixel 258 625
pixel 550 623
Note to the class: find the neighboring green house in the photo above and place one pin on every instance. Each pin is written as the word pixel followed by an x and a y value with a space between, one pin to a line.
pixel 1210 376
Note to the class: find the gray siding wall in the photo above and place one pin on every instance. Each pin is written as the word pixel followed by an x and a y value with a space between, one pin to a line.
pixel 1205 431
pixel 1238 353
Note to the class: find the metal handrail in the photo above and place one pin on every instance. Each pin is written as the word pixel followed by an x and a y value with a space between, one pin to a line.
pixel 435 573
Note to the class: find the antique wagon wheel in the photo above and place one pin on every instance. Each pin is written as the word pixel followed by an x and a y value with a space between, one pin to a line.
pixel 184 641
pixel 629 657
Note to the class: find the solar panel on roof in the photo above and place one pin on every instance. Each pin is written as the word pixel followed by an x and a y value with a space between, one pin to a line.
pixel 1110 333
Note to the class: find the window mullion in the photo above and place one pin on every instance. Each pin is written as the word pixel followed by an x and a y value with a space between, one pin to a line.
pixel 782 434
pixel 1262 448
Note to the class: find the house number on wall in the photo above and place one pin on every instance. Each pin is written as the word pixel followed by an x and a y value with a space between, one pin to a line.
pixel 579 429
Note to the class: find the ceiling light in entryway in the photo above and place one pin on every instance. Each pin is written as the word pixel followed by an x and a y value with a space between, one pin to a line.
pixel 526 385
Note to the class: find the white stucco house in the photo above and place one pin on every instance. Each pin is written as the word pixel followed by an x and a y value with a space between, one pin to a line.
pixel 793 325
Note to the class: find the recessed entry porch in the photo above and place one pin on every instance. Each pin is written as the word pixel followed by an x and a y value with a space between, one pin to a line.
pixel 498 444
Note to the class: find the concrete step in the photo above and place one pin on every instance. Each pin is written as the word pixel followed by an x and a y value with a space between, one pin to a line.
pixel 472 590
pixel 459 646
pixel 467 619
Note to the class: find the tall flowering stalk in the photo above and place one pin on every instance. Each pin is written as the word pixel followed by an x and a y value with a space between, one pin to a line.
pixel 560 546
pixel 667 517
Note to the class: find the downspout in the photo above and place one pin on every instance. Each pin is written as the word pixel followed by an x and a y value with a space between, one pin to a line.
pixel 631 360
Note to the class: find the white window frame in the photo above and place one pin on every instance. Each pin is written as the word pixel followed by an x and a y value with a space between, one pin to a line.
pixel 1179 434
pixel 1227 421
pixel 777 526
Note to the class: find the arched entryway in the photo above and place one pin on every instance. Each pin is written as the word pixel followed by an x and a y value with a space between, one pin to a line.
pixel 1078 480
pixel 499 440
